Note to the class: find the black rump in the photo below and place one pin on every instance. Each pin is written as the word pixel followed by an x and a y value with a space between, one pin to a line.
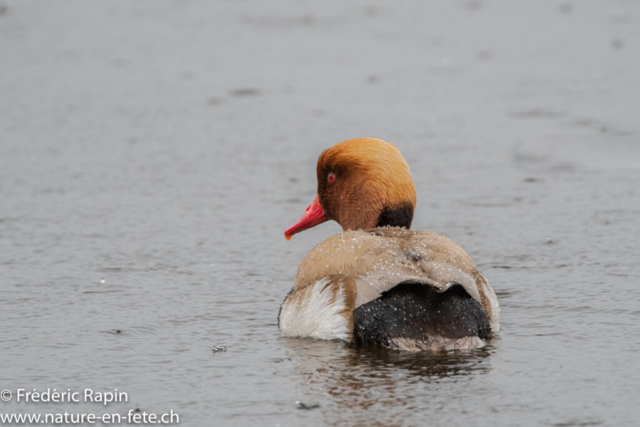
pixel 416 311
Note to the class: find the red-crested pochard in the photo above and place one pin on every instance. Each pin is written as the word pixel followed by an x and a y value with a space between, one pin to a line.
pixel 379 282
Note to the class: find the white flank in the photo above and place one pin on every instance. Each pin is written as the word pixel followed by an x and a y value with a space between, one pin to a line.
pixel 314 315
pixel 494 321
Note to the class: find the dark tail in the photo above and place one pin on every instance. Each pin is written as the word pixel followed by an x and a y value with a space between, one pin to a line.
pixel 415 311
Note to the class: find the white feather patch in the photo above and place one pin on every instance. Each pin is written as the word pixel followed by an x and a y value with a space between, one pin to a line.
pixel 314 314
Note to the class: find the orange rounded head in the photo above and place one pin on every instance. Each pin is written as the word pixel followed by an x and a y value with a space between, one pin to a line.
pixel 362 183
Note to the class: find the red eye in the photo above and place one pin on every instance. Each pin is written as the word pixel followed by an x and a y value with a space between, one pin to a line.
pixel 331 177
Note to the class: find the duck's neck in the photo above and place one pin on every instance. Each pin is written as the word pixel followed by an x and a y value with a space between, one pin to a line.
pixel 399 216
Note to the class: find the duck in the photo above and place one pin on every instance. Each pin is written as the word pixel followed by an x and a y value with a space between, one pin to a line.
pixel 379 283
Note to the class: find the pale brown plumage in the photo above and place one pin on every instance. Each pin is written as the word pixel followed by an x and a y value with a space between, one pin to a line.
pixel 374 261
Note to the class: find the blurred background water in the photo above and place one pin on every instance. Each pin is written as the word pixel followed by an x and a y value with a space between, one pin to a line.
pixel 153 152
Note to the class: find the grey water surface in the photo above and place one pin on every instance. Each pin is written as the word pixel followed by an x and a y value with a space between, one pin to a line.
pixel 152 153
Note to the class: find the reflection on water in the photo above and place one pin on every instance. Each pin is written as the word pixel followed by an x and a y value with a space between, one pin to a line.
pixel 377 382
